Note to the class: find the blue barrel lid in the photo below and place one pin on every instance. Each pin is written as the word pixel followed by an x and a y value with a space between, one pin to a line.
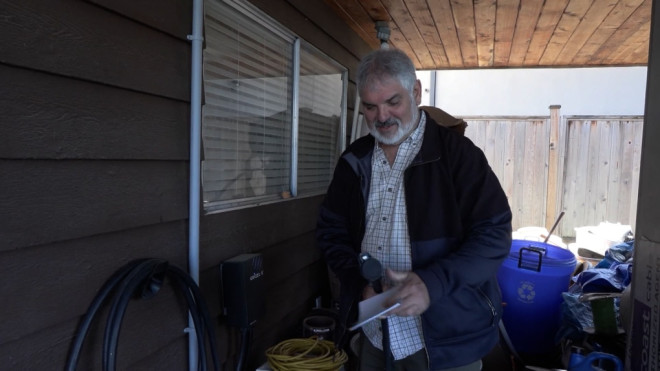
pixel 551 255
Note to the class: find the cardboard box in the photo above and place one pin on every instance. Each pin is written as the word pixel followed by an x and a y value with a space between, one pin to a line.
pixel 644 340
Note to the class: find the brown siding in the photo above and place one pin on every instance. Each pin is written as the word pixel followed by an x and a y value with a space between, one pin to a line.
pixel 46 288
pixel 81 40
pixel 94 164
pixel 55 117
pixel 58 200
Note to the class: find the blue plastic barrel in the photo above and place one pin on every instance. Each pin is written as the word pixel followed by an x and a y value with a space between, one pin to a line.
pixel 532 280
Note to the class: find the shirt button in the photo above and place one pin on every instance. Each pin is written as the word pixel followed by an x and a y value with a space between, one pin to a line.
pixel 389 189
pixel 384 218
pixel 380 247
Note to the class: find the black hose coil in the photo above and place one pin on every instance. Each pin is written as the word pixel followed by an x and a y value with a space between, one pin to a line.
pixel 144 277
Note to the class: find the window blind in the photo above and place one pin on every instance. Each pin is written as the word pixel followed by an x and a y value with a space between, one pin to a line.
pixel 320 119
pixel 247 117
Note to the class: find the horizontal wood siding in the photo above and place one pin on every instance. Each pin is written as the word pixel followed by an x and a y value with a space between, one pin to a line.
pixel 59 200
pixel 94 163
pixel 50 287
pixel 55 117
pixel 83 41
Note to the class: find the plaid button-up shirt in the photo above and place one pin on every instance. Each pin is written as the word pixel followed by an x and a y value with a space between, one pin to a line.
pixel 387 238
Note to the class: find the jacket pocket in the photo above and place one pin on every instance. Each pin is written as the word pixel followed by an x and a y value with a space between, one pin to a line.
pixel 468 313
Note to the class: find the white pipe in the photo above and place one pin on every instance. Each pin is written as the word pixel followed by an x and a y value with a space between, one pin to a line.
pixel 432 88
pixel 195 139
pixel 355 130
pixel 344 108
pixel 295 105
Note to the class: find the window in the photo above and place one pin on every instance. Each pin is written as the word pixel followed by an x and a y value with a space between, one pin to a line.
pixel 274 113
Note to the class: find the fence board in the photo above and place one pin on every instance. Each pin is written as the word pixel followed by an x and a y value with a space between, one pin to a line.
pixel 517 196
pixel 516 149
pixel 529 177
pixel 636 164
pixel 553 164
pixel 582 176
pixel 569 186
pixel 593 146
pixel 606 155
pixel 601 183
pixel 605 171
pixel 626 173
pixel 615 166
pixel 507 177
pixel 597 160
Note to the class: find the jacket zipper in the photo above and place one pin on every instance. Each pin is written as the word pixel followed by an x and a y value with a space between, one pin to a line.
pixel 493 312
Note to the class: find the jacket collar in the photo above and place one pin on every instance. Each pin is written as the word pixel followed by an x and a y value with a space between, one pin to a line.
pixel 431 145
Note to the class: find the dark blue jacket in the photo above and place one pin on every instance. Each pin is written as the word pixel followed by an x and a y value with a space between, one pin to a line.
pixel 459 222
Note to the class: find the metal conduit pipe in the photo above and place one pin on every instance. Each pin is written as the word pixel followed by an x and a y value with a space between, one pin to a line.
pixel 195 139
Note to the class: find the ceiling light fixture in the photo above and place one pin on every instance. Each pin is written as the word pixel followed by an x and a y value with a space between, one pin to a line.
pixel 383 33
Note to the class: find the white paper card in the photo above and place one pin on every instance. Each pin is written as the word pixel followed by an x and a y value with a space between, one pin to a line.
pixel 373 308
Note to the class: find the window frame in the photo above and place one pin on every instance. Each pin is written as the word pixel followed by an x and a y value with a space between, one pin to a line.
pixel 261 19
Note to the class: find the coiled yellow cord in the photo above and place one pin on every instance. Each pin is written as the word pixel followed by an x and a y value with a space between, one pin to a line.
pixel 305 354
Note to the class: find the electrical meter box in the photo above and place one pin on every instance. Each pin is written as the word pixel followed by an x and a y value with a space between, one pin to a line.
pixel 243 287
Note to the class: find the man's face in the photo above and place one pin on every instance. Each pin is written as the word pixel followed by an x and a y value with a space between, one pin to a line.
pixel 389 109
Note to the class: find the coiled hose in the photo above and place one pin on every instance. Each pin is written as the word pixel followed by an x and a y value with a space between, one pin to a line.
pixel 144 277
pixel 305 354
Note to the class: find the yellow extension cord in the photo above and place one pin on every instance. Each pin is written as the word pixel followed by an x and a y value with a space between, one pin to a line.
pixel 305 354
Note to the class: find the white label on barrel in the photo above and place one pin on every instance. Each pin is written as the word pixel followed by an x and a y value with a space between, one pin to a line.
pixel 526 292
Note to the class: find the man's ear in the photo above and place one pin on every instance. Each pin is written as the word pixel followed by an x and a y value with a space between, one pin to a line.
pixel 417 92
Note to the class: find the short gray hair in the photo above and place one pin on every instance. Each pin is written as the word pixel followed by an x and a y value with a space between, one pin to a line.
pixel 386 63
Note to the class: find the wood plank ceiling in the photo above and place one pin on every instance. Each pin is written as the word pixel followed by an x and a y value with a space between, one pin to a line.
pixel 457 34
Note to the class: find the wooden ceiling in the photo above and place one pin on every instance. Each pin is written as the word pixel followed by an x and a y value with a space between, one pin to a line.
pixel 457 34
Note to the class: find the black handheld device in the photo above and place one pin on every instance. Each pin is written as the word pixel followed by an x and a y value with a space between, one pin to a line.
pixel 371 270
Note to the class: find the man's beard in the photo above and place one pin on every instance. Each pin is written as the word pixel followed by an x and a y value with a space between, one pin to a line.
pixel 402 131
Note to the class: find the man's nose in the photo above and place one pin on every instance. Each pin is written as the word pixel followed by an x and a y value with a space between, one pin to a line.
pixel 383 114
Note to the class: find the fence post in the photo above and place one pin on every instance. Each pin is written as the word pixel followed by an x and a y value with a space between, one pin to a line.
pixel 553 168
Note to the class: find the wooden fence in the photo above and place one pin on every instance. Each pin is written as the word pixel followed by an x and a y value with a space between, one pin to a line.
pixel 586 166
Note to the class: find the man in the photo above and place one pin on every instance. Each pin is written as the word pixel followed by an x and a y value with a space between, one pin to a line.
pixel 425 203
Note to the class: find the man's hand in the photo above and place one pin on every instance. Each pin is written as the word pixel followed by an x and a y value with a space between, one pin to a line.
pixel 412 294
pixel 368 292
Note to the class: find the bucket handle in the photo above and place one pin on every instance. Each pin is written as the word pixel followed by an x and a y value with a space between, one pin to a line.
pixel 538 250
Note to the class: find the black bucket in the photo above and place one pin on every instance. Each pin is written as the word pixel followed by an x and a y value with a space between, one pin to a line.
pixel 320 326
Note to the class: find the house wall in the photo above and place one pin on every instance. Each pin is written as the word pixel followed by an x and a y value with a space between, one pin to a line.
pixel 94 163
pixel 529 91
